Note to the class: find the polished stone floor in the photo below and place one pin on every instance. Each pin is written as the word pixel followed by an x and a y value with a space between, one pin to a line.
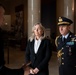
pixel 15 58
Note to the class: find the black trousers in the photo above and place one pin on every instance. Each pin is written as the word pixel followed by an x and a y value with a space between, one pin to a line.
pixel 7 71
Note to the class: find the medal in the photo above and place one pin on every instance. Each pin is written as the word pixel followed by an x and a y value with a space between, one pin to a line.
pixel 70 51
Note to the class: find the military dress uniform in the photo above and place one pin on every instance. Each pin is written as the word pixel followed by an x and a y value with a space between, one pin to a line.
pixel 66 54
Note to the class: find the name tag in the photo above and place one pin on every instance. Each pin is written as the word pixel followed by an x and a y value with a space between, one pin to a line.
pixel 70 43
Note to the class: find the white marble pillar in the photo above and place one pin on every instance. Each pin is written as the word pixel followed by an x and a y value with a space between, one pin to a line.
pixel 66 8
pixel 69 11
pixel 33 14
pixel 60 8
pixel 59 11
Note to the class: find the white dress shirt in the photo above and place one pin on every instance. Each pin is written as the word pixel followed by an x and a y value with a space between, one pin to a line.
pixel 36 45
pixel 65 36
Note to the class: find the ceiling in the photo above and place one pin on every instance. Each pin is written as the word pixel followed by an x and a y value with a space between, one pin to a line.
pixel 4 0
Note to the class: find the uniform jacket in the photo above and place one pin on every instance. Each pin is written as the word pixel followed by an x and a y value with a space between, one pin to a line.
pixel 41 59
pixel 68 54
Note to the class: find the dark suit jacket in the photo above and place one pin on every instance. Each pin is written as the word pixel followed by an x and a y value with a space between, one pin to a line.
pixel 1 48
pixel 3 69
pixel 41 59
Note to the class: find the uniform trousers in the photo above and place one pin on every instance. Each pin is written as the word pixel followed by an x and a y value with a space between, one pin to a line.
pixel 67 70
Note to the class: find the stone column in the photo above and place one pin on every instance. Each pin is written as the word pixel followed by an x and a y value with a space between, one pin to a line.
pixel 60 8
pixel 69 11
pixel 66 8
pixel 60 11
pixel 33 14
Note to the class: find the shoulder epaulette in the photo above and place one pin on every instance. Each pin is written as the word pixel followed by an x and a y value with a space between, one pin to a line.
pixel 73 38
pixel 56 40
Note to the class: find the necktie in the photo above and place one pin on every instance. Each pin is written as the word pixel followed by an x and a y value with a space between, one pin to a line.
pixel 64 39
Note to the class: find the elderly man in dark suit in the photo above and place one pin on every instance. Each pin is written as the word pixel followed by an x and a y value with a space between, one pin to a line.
pixel 66 46
pixel 3 69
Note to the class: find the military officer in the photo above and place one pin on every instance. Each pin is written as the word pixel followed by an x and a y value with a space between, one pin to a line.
pixel 66 47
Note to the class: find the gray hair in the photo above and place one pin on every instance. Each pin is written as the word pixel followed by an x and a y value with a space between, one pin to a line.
pixel 42 28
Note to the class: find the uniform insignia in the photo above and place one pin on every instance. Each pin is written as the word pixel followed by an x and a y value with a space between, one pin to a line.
pixel 70 35
pixel 70 51
pixel 73 39
pixel 59 53
pixel 70 43
pixel 60 19
pixel 56 41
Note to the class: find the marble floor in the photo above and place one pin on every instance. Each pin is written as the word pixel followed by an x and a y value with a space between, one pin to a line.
pixel 16 59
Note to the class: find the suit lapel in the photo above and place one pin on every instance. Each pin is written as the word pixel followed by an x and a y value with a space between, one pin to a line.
pixel 39 49
pixel 32 44
pixel 33 47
